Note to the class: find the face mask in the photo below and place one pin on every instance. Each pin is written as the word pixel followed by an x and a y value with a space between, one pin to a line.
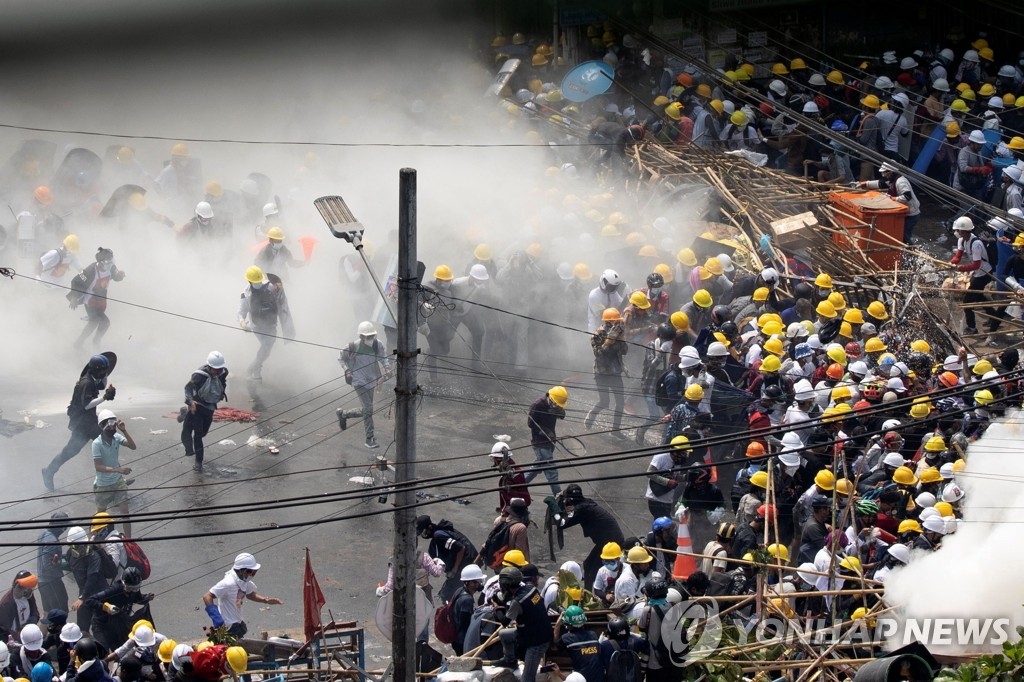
pixel 654 292
pixel 257 286
pixel 824 159
pixel 276 246
pixel 443 284
pixel 612 566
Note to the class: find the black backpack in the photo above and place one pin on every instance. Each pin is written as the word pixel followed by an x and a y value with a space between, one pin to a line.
pixel 107 564
pixel 496 544
pixel 623 666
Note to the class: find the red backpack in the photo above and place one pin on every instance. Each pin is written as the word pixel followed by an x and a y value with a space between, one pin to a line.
pixel 137 558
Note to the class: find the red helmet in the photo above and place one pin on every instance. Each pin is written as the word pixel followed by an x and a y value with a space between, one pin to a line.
pixel 853 350
pixel 636 131
pixel 766 108
pixel 861 405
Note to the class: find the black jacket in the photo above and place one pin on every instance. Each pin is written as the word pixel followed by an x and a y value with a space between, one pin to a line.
pixel 597 523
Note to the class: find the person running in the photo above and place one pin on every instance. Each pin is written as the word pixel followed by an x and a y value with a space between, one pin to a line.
pixel 544 414
pixel 264 304
pixel 206 387
pixel 90 289
pixel 224 601
pixel 90 391
pixel 366 365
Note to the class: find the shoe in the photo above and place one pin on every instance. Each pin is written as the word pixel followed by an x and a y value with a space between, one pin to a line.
pixel 970 330
pixel 181 414
pixel 588 422
pixel 993 342
pixel 198 467
pixel 372 443
pixel 48 480
pixel 129 481
pixel 342 419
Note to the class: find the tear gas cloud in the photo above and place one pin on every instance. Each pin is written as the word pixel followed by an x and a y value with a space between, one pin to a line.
pixel 359 82
pixel 976 574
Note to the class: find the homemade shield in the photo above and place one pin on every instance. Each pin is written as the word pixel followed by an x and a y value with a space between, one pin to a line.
pixel 587 80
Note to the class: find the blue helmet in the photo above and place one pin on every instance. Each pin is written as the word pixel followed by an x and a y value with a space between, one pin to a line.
pixel 98 362
pixel 661 523
pixel 42 672
pixel 803 351
pixel 839 126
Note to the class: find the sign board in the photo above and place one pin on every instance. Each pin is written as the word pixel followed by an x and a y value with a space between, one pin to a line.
pixel 757 39
pixel 579 17
pixel 726 37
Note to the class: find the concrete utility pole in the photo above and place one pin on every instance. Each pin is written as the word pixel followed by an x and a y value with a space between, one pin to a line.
pixel 403 623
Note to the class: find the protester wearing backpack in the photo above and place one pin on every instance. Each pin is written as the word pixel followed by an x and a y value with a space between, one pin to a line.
pixel 103 531
pixel 206 387
pixel 623 653
pixel 464 603
pixel 451 547
pixel 581 643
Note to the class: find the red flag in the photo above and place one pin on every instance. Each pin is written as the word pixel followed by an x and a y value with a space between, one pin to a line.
pixel 312 601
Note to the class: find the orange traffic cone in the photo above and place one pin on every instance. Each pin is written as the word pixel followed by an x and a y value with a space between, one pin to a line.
pixel 307 247
pixel 714 469
pixel 685 564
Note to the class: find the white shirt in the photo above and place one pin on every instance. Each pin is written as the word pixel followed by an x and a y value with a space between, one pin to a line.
pixel 231 592
pixel 628 584
pixel 977 251
pixel 663 464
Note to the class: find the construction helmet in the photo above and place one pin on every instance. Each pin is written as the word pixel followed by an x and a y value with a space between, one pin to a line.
pixel 982 367
pixel 835 78
pixel 680 321
pixel 640 300
pixel 760 294
pixel 1016 143
pixel 778 551
pixel 581 271
pixel 518 39
pixel 704 90
pixel 779 69
pixel 714 266
pixel 904 476
pixel 144 636
pixel 935 444
pixel 825 480
pixel 681 443
pixel 876 309
pixel 841 393
pixel 638 555
pixel 774 346
pixel 275 233
pixel 835 371
pixel 180 149
pixel 611 551
pixel 983 397
pixel 665 271
pixel 771 327
pixel 674 111
pixel 968 95
pixel 661 101
pixel 870 102
pixel 694 392
pixel 237 659
pixel 837 301
pixel 755 449
pixel 837 355
pixel 612 315
pixel 253 275
pixel 908 526
pixel 738 119
pixel 948 379
pixel 717 105
pixel 797 64
pixel 687 257
pixel 100 521
pixel 558 395
pixel 875 345
pixel 852 563
pixel 165 650
pixel 514 557
pixel 958 105
pixel 759 479
pixel 574 616
pixel 852 315
pixel 443 273
pixel 214 189
pixel 71 243
pixel 920 410
pixel 826 309
pixel 944 508
pixel 987 54
pixel 959 466
pixel 931 475
pixel 366 328
pixel 920 346
pixel 771 364
pixel 702 297
pixel 844 487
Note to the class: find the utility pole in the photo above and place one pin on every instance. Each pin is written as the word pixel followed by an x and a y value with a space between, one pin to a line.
pixel 403 623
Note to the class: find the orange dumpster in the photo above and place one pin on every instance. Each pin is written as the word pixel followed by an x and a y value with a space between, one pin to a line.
pixel 881 215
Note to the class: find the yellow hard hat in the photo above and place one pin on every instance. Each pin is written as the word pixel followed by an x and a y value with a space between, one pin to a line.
pixel 968 95
pixel 443 273
pixel 647 251
pixel 665 271
pixel 823 281
pixel 738 118
pixel 920 346
pixel 875 345
pixel 661 101
pixel 482 252
pixel 747 68
pixel 237 659
pixel 982 367
pixel 559 395
pixel 180 149
pixel 1008 99
pixel 983 397
pixel 987 54
pixel 717 105
pixel 610 230
pixel 959 466
pixel 687 257
pixel 253 275
pixel 771 328
pixel 617 218
pixel 702 297
pixel 853 316
pixel 779 551
pixel 499 41
pixel 935 444
pixel 694 392
pixel 870 101
pixel 837 301
pixel 538 60
pixel 944 508
pixel 931 475
pixel 779 69
pixel 165 650
pixel 876 309
pixel 674 111
pixel 771 364
pixel 71 243
pixel 640 300
pixel 986 90
pixel 1016 143
pixel 534 250
pixel 797 64
pixel 760 294
pixel 205 644
pixel 714 266
pixel 681 443
pixel 680 321
pixel 100 521
pixel 837 355
pixel 920 410
pixel 960 106
pixel 852 563
pixel 611 551
pixel 704 90
pixel 844 487
pixel 759 479
pixel 581 271
pixel 774 346
pixel 908 525
pixel 638 555
pixel 275 233
pixel 137 200
pixel 825 480
pixel 742 76
pixel 704 273
pixel 835 78
pixel 841 393
pixel 826 309
pixel 214 189
pixel 904 476
pixel 514 557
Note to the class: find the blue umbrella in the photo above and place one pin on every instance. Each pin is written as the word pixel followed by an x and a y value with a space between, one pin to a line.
pixel 587 80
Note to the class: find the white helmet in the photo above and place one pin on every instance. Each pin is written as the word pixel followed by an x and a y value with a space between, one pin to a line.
pixel 900 553
pixel 726 261
pixel 952 493
pixel 778 87
pixel 789 459
pixel 791 439
pixel 180 653
pixel 890 424
pixel 32 637
pixel 858 367
pixel 572 567
pixel 963 223
pixel 144 636
pixel 215 359
pixel 204 210
pixel 575 677
pixel 729 107
pixel 795 329
pixel 769 275
pixel 908 63
pixel 814 342
pixel 471 572
pixel 935 524
pixel 366 328
pixel 816 80
pixel 245 561
pixel 104 415
pixel 270 209
pixel 77 534
pixel 479 272
pixel 1007 71
pixel 610 279
pixel 895 460
pixel 70 633
pixel 947 54
pixel 971 56
pixel 717 350
pixel 688 352
pixel 5 655
pixel 977 137
pixel 884 83
pixel 995 102
pixel 674 596
pixel 940 84
pixel 499 450
pixel 687 362
pixel 564 271
pixel 811 108
pixel 925 500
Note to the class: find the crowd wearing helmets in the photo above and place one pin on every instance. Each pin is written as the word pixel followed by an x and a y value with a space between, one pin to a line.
pixel 112 635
